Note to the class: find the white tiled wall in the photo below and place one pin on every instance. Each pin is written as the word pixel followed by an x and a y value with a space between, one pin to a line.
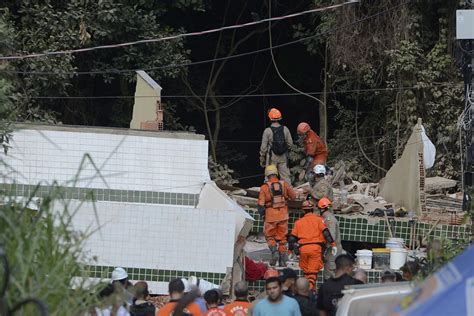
pixel 151 236
pixel 158 236
pixel 126 162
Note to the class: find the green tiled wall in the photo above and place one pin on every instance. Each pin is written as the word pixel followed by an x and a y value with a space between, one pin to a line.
pixel 374 229
pixel 156 275
pixel 130 196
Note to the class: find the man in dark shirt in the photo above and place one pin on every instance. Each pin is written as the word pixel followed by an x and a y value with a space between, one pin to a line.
pixel 331 290
pixel 305 299
pixel 288 278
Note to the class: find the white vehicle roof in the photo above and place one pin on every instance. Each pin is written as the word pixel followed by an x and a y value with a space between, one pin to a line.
pixel 372 299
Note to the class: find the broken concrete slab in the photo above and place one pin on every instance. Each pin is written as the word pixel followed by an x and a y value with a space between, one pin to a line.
pixel 367 202
pixel 405 181
pixel 245 201
pixel 438 184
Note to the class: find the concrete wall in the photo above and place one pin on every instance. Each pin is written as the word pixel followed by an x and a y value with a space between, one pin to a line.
pixel 146 216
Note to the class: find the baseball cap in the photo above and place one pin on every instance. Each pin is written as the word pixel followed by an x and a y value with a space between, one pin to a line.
pixel 287 273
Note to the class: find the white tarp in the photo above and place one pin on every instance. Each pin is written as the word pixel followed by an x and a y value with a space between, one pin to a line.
pixel 429 150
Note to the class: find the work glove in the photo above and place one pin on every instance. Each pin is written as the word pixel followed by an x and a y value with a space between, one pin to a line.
pixel 261 211
pixel 263 161
pixel 334 251
pixel 310 177
pixel 296 250
pixel 308 162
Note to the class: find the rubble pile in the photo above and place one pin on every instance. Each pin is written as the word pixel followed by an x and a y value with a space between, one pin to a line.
pixel 356 198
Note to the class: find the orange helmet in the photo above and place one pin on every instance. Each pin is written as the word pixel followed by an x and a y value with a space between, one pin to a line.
pixel 274 114
pixel 307 205
pixel 303 128
pixel 270 273
pixel 324 203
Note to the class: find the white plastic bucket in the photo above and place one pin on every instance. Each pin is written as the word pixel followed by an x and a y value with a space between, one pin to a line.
pixel 364 259
pixel 398 257
pixel 395 243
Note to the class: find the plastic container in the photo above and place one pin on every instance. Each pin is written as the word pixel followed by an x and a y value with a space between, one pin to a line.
pixel 364 259
pixel 398 257
pixel 381 258
pixel 392 243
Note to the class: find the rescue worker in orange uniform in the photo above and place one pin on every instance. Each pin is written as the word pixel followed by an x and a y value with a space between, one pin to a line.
pixel 309 236
pixel 241 305
pixel 272 206
pixel 314 147
pixel 176 290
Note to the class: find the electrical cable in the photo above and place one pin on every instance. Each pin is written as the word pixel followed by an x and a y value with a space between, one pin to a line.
pixel 161 39
pixel 358 140
pixel 230 95
pixel 116 71
pixel 273 58
pixel 259 141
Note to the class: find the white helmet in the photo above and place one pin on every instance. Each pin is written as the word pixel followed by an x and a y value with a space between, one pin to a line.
pixel 319 169
pixel 187 286
pixel 119 274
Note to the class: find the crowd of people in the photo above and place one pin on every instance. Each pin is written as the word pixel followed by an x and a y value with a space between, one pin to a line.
pixel 285 294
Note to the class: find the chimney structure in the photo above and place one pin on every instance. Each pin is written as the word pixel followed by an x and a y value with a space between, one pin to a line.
pixel 147 109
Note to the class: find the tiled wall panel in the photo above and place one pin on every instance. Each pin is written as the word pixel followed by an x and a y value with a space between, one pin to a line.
pixel 158 237
pixel 374 229
pixel 126 162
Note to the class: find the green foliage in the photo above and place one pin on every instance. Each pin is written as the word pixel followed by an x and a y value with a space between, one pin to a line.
pixel 297 159
pixel 439 253
pixel 221 174
pixel 43 253
pixel 172 121
pixel 7 110
pixel 407 54
pixel 58 25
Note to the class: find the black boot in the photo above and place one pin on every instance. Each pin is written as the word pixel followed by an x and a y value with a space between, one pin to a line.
pixel 283 259
pixel 274 257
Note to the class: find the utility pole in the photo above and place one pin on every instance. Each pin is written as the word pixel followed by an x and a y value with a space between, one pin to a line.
pixel 465 37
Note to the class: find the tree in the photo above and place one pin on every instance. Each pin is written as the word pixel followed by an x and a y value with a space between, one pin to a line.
pixel 7 110
pixel 57 25
pixel 400 66
pixel 212 82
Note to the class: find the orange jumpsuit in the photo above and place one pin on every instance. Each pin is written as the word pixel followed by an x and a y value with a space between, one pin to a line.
pixel 237 308
pixel 309 232
pixel 315 147
pixel 168 309
pixel 276 218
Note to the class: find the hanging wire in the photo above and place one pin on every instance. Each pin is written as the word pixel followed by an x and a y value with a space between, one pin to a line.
pixel 161 39
pixel 118 71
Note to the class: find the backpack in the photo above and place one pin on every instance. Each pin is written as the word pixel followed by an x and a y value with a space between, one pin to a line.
pixel 277 193
pixel 279 145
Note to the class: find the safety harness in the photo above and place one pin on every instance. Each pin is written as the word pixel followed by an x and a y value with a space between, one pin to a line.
pixel 277 193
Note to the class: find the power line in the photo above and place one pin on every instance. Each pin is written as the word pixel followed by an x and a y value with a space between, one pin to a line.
pixel 259 141
pixel 237 95
pixel 120 71
pixel 161 39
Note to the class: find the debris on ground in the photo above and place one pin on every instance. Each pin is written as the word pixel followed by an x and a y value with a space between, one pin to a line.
pixel 363 199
